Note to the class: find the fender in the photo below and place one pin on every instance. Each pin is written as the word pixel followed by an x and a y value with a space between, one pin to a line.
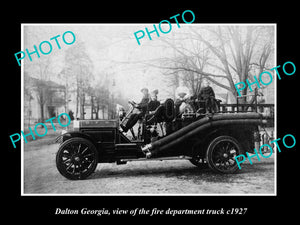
pixel 204 140
pixel 201 125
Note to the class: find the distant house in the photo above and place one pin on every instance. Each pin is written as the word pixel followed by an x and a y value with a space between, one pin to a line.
pixel 38 95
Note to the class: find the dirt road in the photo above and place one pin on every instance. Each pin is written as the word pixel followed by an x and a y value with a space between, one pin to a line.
pixel 146 177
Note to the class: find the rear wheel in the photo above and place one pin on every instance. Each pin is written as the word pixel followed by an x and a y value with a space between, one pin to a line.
pixel 77 158
pixel 221 154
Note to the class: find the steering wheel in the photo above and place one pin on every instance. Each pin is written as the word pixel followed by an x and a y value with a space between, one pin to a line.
pixel 132 103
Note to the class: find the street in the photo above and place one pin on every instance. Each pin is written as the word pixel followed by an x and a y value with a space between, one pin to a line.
pixel 143 177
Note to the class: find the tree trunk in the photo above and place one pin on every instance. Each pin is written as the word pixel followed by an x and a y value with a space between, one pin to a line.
pixel 41 102
pixel 97 112
pixel 103 108
pixel 243 100
pixel 92 107
pixel 82 101
pixel 42 112
pixel 77 101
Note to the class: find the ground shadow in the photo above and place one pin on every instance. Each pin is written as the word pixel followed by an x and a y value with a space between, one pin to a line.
pixel 187 172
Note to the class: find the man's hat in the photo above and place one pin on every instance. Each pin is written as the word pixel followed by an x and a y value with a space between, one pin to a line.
pixel 155 92
pixel 181 94
pixel 144 89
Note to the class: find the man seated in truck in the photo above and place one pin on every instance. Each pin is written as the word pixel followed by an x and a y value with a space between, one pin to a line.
pixel 154 109
pixel 154 103
pixel 182 104
pixel 142 106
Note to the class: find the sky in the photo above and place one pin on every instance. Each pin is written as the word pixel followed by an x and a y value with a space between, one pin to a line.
pixel 113 50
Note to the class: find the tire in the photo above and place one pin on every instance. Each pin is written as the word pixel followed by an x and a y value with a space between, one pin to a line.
pixel 77 158
pixel 221 153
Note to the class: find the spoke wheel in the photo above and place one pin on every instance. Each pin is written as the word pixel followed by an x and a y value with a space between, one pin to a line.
pixel 221 154
pixel 76 158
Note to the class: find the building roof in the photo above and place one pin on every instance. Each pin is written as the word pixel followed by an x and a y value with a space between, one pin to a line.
pixel 31 81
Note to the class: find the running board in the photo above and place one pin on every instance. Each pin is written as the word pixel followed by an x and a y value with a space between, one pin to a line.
pixel 157 159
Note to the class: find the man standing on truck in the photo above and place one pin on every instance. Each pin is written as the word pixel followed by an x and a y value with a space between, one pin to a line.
pixel 207 94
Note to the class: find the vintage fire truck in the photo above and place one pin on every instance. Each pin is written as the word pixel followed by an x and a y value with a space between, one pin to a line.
pixel 206 140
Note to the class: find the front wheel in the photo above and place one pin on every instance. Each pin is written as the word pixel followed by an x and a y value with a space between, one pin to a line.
pixel 77 158
pixel 221 154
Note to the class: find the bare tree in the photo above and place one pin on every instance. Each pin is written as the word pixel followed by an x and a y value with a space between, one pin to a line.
pixel 38 72
pixel 79 67
pixel 99 99
pixel 37 75
pixel 224 55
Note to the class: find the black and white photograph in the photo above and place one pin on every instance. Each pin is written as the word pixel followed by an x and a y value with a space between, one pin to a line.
pixel 143 111
pixel 169 108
